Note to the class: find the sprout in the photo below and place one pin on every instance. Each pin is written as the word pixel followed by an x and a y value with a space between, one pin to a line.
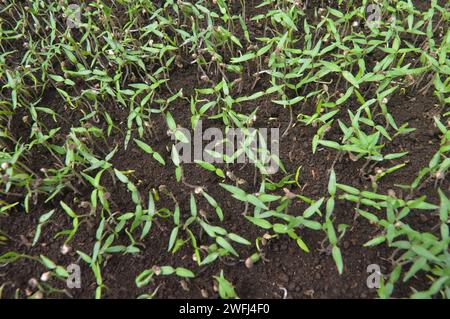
pixel 250 261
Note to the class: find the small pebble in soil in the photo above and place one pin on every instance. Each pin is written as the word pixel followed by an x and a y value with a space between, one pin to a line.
pixel 65 249
pixel 32 283
pixel 204 293
pixel 283 278
pixel 249 263
pixel 184 285
pixel 309 293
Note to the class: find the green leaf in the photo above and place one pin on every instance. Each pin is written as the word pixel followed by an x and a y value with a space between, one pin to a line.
pixel 37 234
pixel 260 222
pixel 331 144
pixel 173 238
pixel 68 210
pixel 193 206
pixel 146 148
pixel 418 265
pixel 206 165
pixel 243 58
pixel 47 262
pixel 234 190
pixel 375 241
pixel 210 258
pixel 175 156
pixel 46 216
pixel 421 251
pixel 313 208
pixel 332 183
pixel 159 158
pixel 167 270
pixel 183 272
pixel 85 257
pixel 226 289
pixel 330 207
pixel 144 278
pixel 280 228
pixel 331 233
pixel 302 245
pixel 444 207
pixel 220 173
pixel 256 202
pixel 176 215
pixel 336 252
pixel 331 66
pixel 238 239
pixel 56 78
pixel 226 245
pixel 395 155
pixel 348 189
pixel 121 176
pixel 350 78
pixel 171 122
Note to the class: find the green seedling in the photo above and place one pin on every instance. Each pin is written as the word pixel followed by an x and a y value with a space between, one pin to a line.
pixel 224 287
pixel 146 276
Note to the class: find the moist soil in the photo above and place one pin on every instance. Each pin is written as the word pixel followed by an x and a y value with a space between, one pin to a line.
pixel 286 268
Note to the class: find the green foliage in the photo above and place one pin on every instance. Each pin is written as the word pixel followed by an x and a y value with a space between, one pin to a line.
pixel 73 99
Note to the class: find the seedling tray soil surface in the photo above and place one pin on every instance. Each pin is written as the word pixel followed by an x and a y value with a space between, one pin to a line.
pixel 90 112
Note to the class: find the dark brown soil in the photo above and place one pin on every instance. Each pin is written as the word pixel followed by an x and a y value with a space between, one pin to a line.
pixel 303 275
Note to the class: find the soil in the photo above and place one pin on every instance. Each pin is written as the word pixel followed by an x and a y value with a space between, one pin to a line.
pixel 303 275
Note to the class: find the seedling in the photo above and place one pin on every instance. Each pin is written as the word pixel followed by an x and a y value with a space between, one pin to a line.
pixel 224 287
